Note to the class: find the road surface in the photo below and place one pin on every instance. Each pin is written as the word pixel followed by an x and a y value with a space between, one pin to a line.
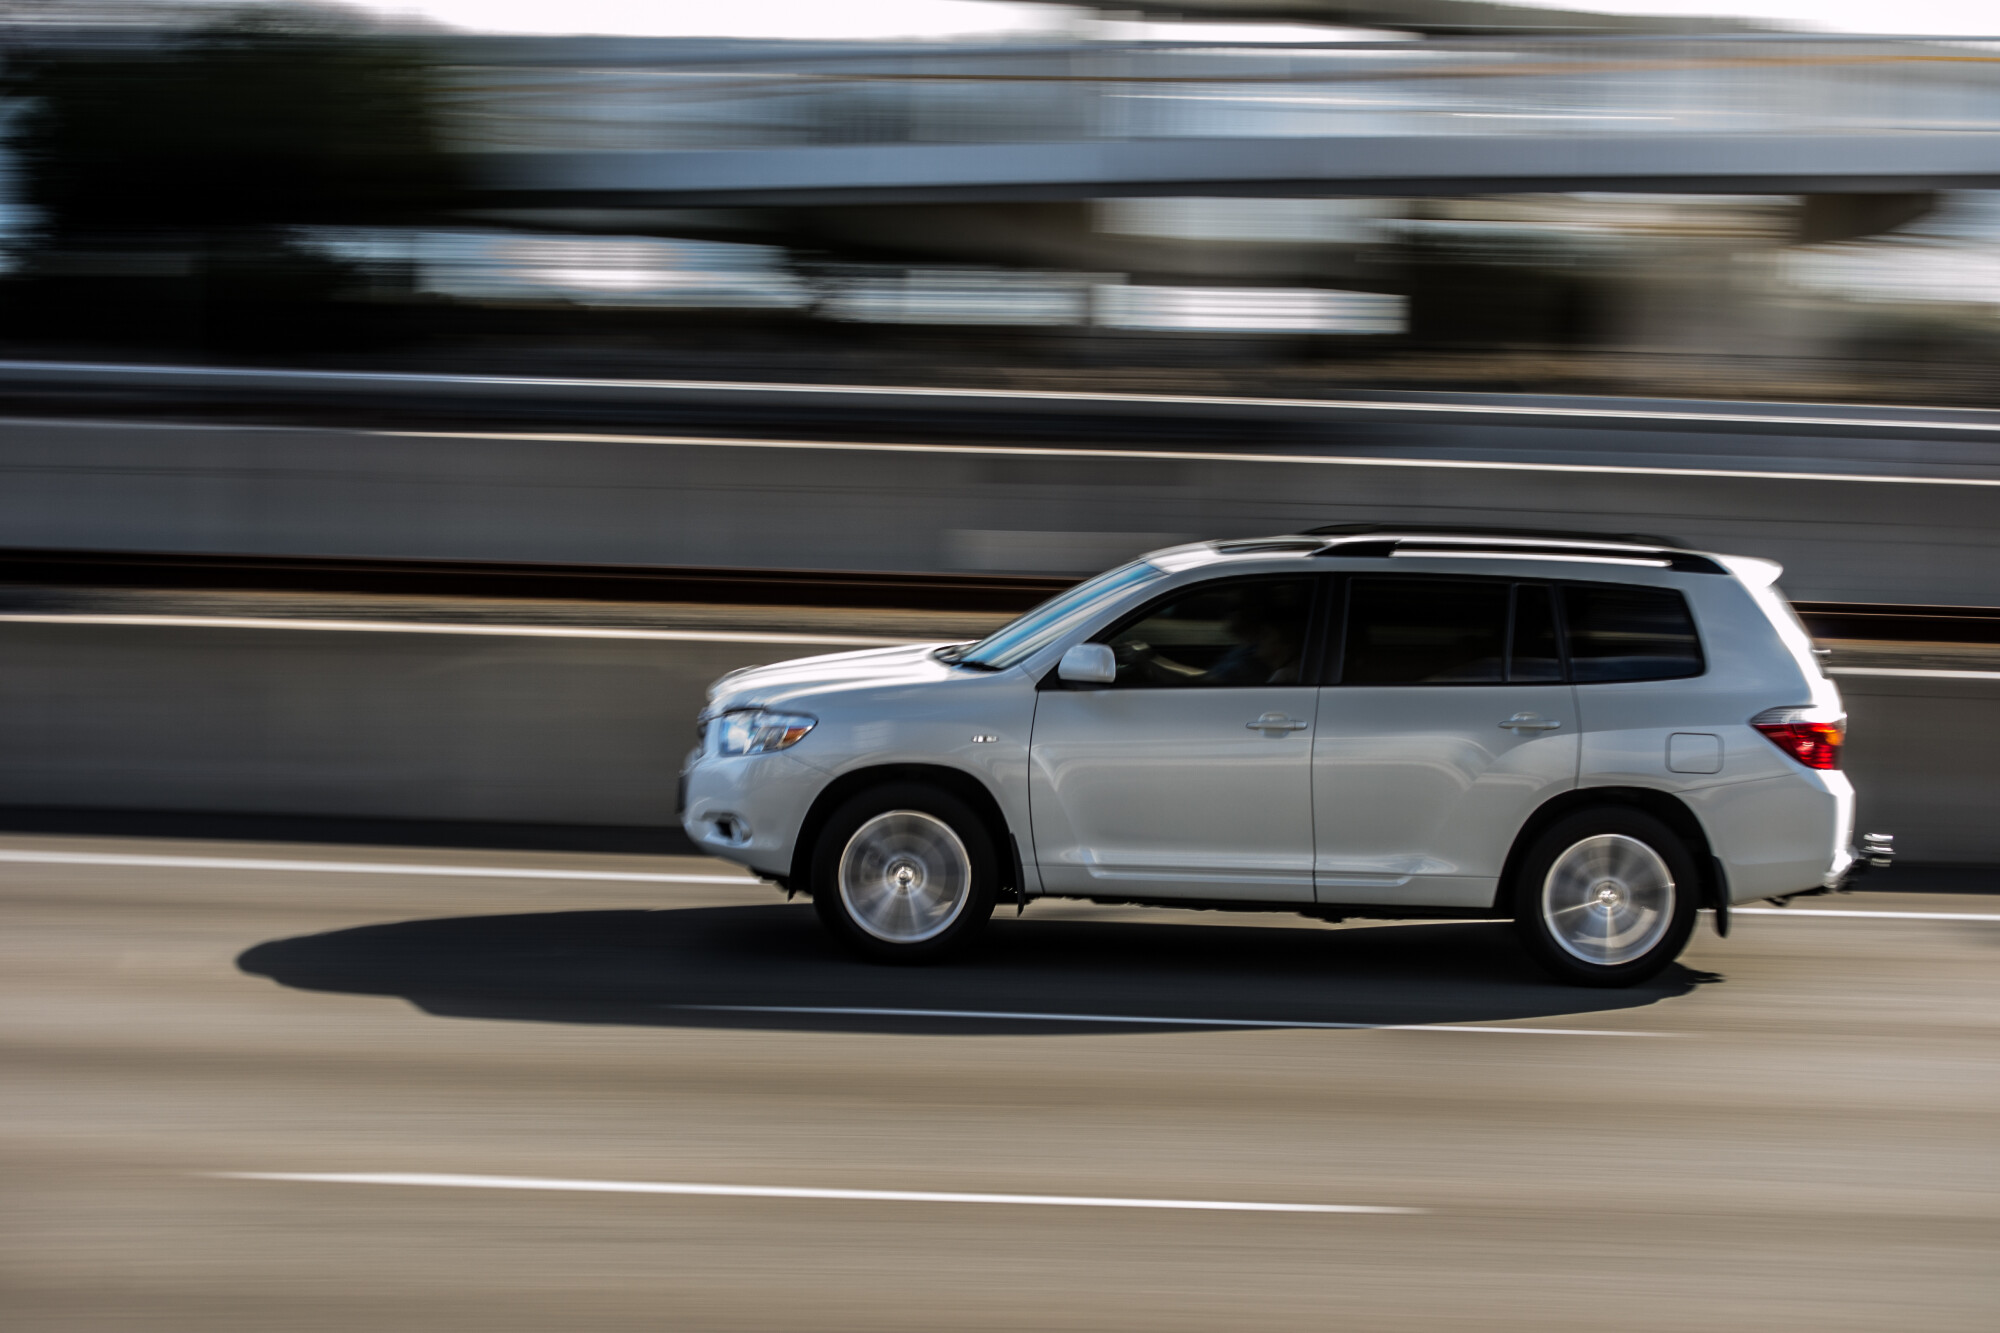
pixel 307 1088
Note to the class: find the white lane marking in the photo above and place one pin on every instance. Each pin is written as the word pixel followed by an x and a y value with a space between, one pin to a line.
pixel 1186 456
pixel 431 627
pixel 1918 673
pixel 36 856
pixel 26 856
pixel 442 1181
pixel 1858 912
pixel 1964 422
pixel 855 1011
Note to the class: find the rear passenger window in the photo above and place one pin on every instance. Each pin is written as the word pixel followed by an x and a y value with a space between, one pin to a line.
pixel 1626 633
pixel 1425 632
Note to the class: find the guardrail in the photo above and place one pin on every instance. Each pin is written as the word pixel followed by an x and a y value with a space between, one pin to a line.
pixel 1852 506
pixel 824 588
pixel 110 387
pixel 840 588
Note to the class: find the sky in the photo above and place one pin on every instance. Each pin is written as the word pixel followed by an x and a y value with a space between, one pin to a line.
pixel 948 18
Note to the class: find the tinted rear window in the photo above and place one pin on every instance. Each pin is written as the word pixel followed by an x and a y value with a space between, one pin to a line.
pixel 1626 633
pixel 1425 632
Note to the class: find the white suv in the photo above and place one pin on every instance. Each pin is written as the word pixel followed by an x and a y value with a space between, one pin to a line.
pixel 1591 736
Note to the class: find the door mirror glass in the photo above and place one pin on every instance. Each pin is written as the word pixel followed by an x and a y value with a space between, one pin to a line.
pixel 1239 632
pixel 1088 664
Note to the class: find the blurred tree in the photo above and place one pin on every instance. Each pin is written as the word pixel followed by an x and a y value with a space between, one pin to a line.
pixel 265 120
pixel 210 149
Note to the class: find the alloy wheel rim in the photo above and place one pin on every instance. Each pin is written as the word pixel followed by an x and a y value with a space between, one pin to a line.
pixel 1608 899
pixel 905 876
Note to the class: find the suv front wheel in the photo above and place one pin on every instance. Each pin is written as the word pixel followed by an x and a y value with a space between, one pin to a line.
pixel 1606 897
pixel 904 873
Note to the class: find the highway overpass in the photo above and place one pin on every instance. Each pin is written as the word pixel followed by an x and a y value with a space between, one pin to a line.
pixel 687 124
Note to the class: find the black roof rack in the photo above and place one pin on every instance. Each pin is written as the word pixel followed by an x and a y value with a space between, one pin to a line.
pixel 1523 534
pixel 1253 545
pixel 1459 543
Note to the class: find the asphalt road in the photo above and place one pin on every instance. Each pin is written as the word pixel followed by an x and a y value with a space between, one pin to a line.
pixel 1794 1129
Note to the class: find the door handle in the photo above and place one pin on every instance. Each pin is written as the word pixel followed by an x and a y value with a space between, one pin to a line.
pixel 1277 722
pixel 1529 722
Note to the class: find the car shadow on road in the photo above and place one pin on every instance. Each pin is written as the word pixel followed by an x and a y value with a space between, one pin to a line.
pixel 773 967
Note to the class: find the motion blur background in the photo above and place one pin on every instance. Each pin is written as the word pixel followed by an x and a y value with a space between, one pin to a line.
pixel 408 407
pixel 1233 195
pixel 891 328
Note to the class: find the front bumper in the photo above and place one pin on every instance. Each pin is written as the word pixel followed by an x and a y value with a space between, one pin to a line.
pixel 747 808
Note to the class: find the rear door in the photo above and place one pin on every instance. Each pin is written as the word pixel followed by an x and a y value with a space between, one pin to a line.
pixel 1190 775
pixel 1450 722
pixel 1631 651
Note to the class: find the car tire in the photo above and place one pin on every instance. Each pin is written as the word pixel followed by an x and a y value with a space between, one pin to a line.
pixel 1606 897
pixel 905 873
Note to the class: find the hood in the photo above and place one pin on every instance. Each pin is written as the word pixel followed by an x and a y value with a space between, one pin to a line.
pixel 906 664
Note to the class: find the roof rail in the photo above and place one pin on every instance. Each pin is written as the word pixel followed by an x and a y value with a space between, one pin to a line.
pixel 1256 545
pixel 1474 530
pixel 1581 550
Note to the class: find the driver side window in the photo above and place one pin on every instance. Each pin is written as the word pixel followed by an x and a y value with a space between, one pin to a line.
pixel 1234 633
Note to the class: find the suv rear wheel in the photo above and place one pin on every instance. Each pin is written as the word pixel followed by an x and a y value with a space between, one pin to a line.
pixel 904 872
pixel 1606 897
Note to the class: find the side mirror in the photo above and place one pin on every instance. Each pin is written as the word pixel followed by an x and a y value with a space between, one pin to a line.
pixel 1088 664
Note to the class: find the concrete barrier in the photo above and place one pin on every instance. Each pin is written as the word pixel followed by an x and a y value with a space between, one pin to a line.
pixel 578 498
pixel 359 725
pixel 541 730
pixel 590 731
pixel 1921 754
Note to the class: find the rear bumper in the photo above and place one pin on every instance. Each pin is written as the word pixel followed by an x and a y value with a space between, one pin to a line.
pixel 1779 835
pixel 1873 851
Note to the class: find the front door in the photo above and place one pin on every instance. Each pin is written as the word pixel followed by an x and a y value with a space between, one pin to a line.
pixel 1189 776
pixel 1450 725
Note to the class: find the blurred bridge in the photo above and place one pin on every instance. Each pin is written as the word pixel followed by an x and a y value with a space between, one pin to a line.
pixel 593 122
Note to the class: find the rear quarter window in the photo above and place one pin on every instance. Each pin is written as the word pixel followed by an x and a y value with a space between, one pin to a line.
pixel 1620 632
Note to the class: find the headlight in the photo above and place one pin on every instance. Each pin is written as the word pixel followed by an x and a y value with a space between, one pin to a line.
pixel 759 731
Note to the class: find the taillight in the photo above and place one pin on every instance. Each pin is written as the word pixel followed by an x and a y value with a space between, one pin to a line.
pixel 1814 743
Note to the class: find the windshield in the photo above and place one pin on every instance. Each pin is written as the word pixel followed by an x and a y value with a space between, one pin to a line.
pixel 1052 619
